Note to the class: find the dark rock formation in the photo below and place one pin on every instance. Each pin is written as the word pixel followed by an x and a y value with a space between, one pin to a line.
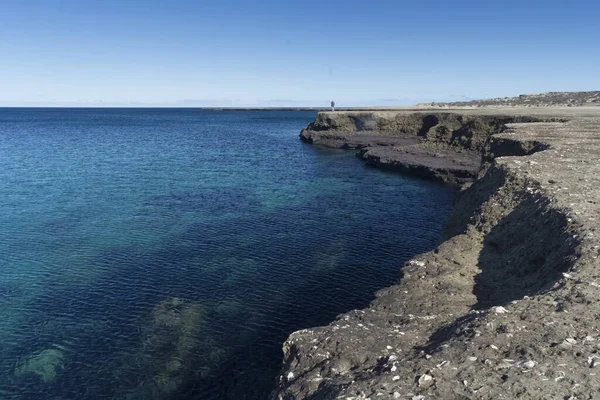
pixel 444 146
pixel 447 165
pixel 506 307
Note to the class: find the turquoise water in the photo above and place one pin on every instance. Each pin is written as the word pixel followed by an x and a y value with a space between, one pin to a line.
pixel 168 253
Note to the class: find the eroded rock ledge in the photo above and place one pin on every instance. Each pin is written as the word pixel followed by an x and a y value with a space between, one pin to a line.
pixel 448 146
pixel 506 307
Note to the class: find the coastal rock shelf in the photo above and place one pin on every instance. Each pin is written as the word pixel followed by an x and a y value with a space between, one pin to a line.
pixel 507 306
pixel 440 145
pixel 448 165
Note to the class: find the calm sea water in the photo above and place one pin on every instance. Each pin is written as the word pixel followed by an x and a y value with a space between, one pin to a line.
pixel 168 253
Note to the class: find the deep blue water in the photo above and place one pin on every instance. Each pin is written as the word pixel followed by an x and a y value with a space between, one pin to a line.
pixel 168 253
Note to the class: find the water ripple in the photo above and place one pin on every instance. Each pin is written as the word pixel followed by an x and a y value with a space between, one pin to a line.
pixel 169 253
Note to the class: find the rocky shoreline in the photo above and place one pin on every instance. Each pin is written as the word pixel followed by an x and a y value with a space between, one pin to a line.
pixel 507 306
pixel 447 146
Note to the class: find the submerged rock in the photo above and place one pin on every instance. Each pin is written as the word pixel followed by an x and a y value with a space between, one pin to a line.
pixel 46 365
pixel 176 350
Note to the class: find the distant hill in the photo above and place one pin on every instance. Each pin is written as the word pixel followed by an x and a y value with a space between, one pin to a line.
pixel 550 99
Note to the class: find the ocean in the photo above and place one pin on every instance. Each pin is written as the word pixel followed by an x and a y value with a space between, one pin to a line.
pixel 168 253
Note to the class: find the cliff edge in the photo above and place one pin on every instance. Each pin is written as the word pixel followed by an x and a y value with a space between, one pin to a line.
pixel 446 146
pixel 508 305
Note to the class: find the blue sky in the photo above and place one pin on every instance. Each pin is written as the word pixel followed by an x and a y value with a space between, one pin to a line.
pixel 289 52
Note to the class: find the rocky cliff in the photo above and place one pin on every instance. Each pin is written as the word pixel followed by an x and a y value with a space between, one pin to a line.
pixel 448 146
pixel 508 305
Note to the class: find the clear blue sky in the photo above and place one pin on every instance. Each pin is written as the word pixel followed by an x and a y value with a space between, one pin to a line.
pixel 292 52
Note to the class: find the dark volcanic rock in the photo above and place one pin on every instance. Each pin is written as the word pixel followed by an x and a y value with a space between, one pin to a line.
pixel 448 165
pixel 357 140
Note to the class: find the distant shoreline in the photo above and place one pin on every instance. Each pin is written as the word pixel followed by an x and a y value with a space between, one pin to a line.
pixel 210 108
pixel 179 108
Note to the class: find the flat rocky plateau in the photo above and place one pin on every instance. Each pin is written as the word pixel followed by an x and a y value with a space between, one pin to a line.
pixel 508 305
pixel 550 99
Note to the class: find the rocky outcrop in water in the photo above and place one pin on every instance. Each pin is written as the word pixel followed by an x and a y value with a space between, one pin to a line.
pixel 45 365
pixel 444 146
pixel 506 307
pixel 448 165
pixel 176 348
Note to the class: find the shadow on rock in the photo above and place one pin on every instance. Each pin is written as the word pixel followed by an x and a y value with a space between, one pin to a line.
pixel 470 201
pixel 524 254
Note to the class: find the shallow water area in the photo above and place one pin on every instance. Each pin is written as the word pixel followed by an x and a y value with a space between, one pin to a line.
pixel 168 253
